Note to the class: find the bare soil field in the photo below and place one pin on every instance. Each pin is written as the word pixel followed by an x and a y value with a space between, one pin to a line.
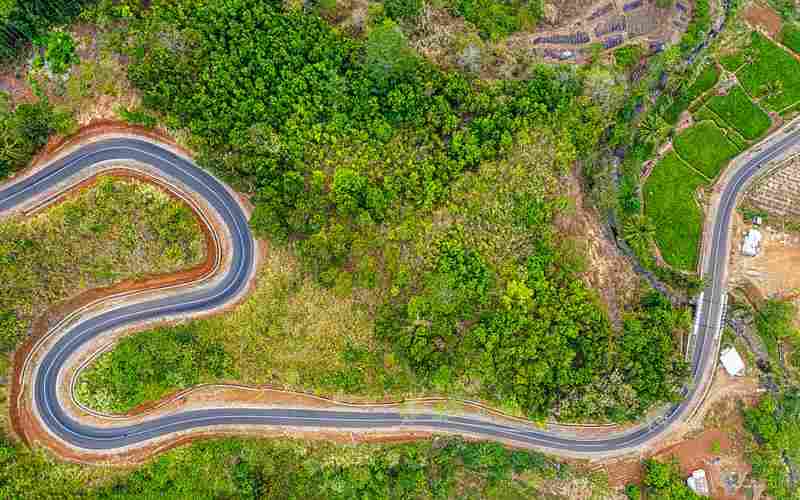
pixel 607 270
pixel 773 272
pixel 763 17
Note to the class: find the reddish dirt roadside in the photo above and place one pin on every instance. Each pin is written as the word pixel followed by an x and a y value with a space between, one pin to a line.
pixel 718 446
pixel 21 421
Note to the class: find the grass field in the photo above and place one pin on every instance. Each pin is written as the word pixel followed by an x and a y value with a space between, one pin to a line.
pixel 733 61
pixel 770 63
pixel 669 200
pixel 110 232
pixel 741 113
pixel 704 113
pixel 705 147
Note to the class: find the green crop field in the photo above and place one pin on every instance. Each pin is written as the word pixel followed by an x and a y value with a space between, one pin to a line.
pixel 706 148
pixel 670 204
pixel 770 65
pixel 704 113
pixel 790 37
pixel 732 61
pixel 704 82
pixel 738 110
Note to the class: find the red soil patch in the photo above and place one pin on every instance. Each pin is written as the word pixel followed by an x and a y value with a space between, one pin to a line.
pixel 764 17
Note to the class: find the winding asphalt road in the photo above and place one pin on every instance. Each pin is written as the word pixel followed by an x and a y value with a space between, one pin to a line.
pixel 45 375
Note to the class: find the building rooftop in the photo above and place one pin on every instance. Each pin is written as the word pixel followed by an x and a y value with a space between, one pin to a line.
pixel 732 362
pixel 752 243
pixel 698 482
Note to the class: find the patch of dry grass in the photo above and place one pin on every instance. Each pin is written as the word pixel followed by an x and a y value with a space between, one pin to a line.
pixel 292 332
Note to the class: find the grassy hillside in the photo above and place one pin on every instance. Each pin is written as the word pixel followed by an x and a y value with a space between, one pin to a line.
pixel 112 231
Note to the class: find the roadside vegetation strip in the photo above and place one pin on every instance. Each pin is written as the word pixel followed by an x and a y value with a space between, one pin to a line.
pixel 741 113
pixel 146 366
pixel 771 73
pixel 790 36
pixel 291 332
pixel 705 147
pixel 669 196
pixel 274 469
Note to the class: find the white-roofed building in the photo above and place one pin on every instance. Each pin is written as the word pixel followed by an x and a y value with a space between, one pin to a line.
pixel 732 362
pixel 698 482
pixel 752 243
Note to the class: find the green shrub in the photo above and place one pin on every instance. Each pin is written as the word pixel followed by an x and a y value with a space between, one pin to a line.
pixel 137 116
pixel 26 20
pixel 59 51
pixel 775 421
pixel 774 323
pixel 250 469
pixel 494 19
pixel 26 129
pixel 703 83
pixel 148 365
pixel 403 9
pixel 11 328
pixel 698 26
pixel 629 55
pixel 663 481
pixel 790 36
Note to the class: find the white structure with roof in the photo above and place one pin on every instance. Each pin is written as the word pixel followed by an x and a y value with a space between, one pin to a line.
pixel 752 243
pixel 698 482
pixel 732 362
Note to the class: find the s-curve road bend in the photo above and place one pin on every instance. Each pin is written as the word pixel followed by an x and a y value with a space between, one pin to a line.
pixel 71 432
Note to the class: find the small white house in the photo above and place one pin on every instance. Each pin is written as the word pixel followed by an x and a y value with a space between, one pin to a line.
pixel 698 482
pixel 752 243
pixel 732 362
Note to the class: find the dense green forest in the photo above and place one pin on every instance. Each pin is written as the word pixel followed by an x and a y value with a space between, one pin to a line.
pixel 435 192
pixel 775 421
pixel 776 424
pixel 25 20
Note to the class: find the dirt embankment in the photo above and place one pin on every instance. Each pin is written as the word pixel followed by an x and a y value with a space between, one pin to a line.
pixel 606 270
